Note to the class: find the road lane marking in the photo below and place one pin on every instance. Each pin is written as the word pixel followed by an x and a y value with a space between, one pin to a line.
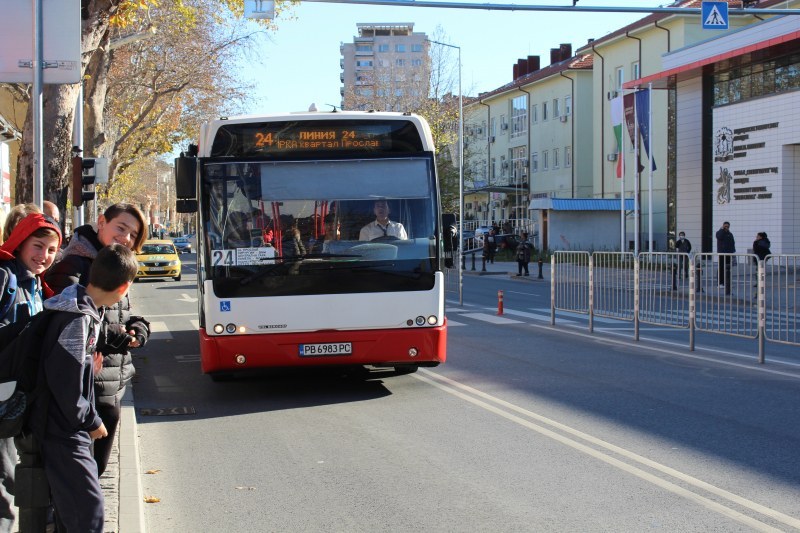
pixel 534 316
pixel 195 323
pixel 492 319
pixel 469 394
pixel 159 331
pixel 454 323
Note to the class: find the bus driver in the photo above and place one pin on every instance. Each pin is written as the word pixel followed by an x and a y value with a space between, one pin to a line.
pixel 382 227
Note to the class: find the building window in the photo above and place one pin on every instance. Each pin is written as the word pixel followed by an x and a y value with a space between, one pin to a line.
pixel 534 113
pixel 535 162
pixel 756 80
pixel 544 160
pixel 568 105
pixel 519 158
pixel 493 127
pixel 364 48
pixel 364 63
pixel 400 48
pixel 416 48
pixel 398 92
pixel 493 169
pixel 383 48
pixel 635 71
pixel 503 125
pixel 519 115
pixel 416 62
pixel 544 111
pixel 555 158
pixel 400 62
pixel 620 77
pixel 556 108
pixel 567 156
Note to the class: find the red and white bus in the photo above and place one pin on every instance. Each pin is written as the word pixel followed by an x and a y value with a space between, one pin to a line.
pixel 291 271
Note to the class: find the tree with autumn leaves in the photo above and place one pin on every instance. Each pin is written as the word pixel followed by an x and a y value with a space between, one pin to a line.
pixel 153 70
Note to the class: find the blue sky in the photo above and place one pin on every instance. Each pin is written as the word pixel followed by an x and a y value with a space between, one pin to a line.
pixel 300 63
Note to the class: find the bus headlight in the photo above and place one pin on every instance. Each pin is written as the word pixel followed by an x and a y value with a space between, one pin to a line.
pixel 432 320
pixel 241 329
pixel 219 328
pixel 230 328
pixel 420 320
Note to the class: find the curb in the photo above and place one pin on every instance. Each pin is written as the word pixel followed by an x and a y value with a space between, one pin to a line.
pixel 131 495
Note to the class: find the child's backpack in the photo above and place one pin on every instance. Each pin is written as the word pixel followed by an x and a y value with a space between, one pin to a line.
pixel 9 295
pixel 20 355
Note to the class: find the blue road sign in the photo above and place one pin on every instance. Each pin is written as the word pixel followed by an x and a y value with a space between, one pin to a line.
pixel 714 15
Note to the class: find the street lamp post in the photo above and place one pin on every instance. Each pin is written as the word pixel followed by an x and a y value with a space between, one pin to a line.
pixel 460 173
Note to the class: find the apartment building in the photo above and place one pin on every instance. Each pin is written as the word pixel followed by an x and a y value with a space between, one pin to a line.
pixel 680 188
pixel 386 67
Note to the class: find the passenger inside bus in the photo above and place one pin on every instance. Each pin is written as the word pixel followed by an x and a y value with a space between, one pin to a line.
pixel 382 229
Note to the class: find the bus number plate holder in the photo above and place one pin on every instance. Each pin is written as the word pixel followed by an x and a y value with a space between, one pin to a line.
pixel 326 348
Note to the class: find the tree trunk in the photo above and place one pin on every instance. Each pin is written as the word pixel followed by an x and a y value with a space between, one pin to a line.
pixel 58 112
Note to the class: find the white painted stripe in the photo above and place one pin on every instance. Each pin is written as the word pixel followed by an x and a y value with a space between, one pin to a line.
pixel 159 331
pixel 455 388
pixel 195 323
pixel 492 319
pixel 534 316
pixel 454 323
pixel 188 358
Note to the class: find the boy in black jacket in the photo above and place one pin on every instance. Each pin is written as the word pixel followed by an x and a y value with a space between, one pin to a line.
pixel 67 422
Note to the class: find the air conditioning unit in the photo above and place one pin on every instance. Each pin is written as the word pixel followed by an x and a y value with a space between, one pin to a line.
pixel 504 126
pixel 611 157
pixel 491 138
pixel 563 118
pixel 612 94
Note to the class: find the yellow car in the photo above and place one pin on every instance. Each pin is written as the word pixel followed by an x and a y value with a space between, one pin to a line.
pixel 159 259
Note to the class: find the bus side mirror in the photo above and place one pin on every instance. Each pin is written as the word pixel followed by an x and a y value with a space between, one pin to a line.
pixel 186 178
pixel 449 238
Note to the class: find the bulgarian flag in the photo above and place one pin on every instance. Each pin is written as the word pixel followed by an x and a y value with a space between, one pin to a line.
pixel 617 115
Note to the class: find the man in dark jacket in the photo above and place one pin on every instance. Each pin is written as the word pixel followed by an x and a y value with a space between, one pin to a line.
pixel 726 244
pixel 683 246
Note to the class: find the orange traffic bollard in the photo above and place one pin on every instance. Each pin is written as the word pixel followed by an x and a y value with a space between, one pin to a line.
pixel 500 303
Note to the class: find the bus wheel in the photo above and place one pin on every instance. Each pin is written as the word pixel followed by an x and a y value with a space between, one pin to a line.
pixel 405 369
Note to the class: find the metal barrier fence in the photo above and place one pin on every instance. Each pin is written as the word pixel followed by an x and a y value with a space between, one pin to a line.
pixel 781 275
pixel 728 294
pixel 570 281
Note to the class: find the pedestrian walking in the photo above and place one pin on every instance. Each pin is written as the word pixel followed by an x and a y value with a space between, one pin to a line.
pixel 524 249
pixel 726 244
pixel 123 224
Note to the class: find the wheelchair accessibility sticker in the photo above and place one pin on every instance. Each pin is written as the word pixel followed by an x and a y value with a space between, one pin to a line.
pixel 225 306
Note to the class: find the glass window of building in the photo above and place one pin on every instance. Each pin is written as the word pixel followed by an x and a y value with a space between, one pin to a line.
pixel 383 48
pixel 519 115
pixel 620 77
pixel 493 127
pixel 568 104
pixel 364 48
pixel 534 113
pixel 544 160
pixel 556 108
pixel 544 110
pixel 416 62
pixel 567 156
pixel 400 48
pixel 416 48
pixel 400 62
pixel 555 157
pixel 535 162
pixel 635 70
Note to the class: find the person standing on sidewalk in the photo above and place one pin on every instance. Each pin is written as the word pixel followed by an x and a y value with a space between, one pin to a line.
pixel 524 249
pixel 682 245
pixel 121 330
pixel 489 246
pixel 726 244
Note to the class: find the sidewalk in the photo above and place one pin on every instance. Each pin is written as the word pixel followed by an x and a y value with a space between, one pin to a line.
pixel 507 268
pixel 121 482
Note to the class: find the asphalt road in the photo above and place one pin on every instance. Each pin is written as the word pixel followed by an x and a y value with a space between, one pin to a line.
pixel 525 428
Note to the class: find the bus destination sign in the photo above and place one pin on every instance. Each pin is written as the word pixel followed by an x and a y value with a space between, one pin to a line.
pixel 320 139
pixel 316 136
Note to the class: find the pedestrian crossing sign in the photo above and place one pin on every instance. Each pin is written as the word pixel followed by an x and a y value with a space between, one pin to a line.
pixel 714 15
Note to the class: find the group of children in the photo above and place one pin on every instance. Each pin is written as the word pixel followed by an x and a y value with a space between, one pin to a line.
pixel 85 362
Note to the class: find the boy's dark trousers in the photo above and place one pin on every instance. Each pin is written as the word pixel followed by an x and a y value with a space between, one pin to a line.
pixel 101 448
pixel 74 484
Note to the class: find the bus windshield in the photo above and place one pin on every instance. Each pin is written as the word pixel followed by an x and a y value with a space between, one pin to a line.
pixel 319 227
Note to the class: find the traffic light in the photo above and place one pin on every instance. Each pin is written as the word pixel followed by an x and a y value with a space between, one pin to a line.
pixel 83 177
